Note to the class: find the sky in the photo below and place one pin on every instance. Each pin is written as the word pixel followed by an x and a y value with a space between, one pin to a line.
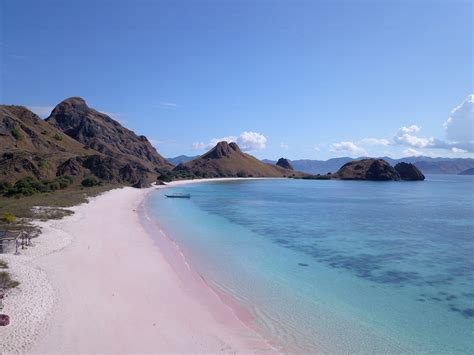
pixel 295 79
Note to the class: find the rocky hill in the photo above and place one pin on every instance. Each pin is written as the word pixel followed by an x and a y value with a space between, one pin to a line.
pixel 98 131
pixel 31 146
pixel 227 160
pixel 427 164
pixel 77 141
pixel 409 172
pixel 467 172
pixel 377 170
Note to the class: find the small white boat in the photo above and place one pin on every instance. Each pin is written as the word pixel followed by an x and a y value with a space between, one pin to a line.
pixel 178 195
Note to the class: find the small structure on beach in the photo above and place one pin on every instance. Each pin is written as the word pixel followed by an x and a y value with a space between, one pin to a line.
pixel 13 240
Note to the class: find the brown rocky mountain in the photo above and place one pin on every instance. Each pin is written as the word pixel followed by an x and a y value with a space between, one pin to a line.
pixel 75 140
pixel 31 147
pixel 409 171
pixel 98 131
pixel 226 159
pixel 377 170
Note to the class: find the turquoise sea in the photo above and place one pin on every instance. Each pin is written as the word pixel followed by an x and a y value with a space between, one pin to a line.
pixel 337 266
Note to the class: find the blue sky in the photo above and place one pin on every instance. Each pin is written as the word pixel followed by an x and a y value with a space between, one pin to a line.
pixel 300 79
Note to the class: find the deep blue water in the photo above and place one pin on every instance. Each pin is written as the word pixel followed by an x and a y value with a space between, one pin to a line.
pixel 339 266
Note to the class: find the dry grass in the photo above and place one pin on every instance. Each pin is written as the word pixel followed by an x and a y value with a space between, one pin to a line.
pixel 53 203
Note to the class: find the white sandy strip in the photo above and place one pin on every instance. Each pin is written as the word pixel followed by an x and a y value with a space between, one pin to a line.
pixel 96 282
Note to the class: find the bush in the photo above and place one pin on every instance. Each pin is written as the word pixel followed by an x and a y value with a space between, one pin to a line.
pixel 8 218
pixel 6 281
pixel 43 165
pixel 90 181
pixel 16 134
pixel 52 186
pixel 64 181
pixel 58 137
pixel 27 186
pixel 5 186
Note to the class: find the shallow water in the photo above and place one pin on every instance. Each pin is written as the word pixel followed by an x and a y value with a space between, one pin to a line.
pixel 337 266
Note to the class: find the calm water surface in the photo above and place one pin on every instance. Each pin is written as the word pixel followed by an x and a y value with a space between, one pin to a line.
pixel 339 266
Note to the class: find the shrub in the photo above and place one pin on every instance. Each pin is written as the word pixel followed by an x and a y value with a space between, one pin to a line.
pixel 43 164
pixel 26 186
pixel 5 186
pixel 52 186
pixel 8 218
pixel 58 137
pixel 16 134
pixel 64 181
pixel 90 181
pixel 6 281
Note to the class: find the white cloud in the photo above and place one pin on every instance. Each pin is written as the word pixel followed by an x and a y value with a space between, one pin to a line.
pixel 459 130
pixel 168 104
pixel 460 125
pixel 284 146
pixel 247 141
pixel 458 150
pixel 410 152
pixel 348 147
pixel 251 141
pixel 317 149
pixel 42 111
pixel 405 135
pixel 374 141
pixel 163 143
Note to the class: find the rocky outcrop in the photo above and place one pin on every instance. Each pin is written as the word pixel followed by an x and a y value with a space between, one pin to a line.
pixel 408 171
pixel 367 169
pixel 377 170
pixel 105 168
pixel 98 131
pixel 467 172
pixel 75 140
pixel 284 163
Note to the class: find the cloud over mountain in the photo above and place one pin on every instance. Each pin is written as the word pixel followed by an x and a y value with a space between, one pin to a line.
pixel 460 125
pixel 348 147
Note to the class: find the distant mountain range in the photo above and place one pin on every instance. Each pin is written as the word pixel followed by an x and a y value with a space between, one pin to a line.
pixel 469 171
pixel 181 159
pixel 427 165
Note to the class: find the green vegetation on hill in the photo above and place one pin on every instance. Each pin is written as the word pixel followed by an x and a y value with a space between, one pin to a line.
pixel 91 181
pixel 29 186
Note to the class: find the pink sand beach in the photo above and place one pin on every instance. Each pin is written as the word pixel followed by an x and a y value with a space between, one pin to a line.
pixel 98 282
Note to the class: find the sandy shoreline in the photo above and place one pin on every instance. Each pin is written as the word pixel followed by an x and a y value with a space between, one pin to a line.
pixel 96 282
